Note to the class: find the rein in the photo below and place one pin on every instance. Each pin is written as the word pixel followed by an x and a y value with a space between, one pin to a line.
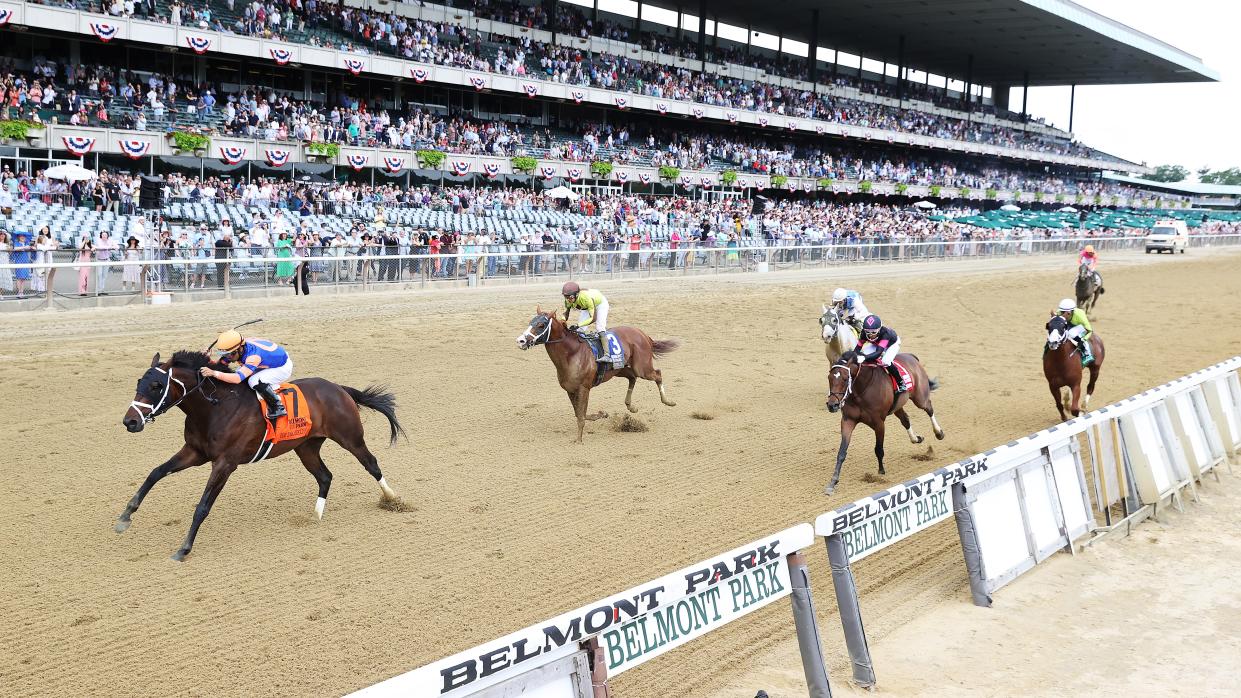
pixel 848 388
pixel 158 408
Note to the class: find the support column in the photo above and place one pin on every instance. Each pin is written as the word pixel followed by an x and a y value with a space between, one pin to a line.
pixel 812 61
pixel 1072 100
pixel 1025 96
pixel 702 35
pixel 969 83
pixel 749 35
pixel 637 24
pixel 594 17
pixel 680 24
pixel 835 63
pixel 549 7
pixel 900 69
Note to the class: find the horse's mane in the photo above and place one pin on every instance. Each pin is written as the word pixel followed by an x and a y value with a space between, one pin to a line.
pixel 190 359
pixel 846 358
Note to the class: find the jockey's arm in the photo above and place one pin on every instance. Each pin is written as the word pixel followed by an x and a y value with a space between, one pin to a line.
pixel 247 369
pixel 586 304
pixel 1079 318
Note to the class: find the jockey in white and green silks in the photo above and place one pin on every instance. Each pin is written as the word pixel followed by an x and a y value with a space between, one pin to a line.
pixel 1079 328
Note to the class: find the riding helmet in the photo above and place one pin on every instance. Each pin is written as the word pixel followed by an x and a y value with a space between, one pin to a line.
pixel 839 295
pixel 871 324
pixel 228 340
pixel 570 289
pixel 1090 249
pixel 1067 305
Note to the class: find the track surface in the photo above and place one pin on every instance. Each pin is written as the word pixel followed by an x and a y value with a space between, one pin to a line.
pixel 510 522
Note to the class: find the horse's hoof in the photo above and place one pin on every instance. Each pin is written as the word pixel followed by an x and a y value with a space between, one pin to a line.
pixel 939 435
pixel 121 526
pixel 179 556
pixel 632 410
pixel 829 489
pixel 670 404
pixel 920 439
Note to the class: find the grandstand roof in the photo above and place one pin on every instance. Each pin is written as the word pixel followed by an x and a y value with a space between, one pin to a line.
pixel 1057 41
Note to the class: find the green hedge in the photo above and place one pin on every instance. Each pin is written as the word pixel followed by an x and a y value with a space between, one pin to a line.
pixel 779 180
pixel 188 142
pixel 330 150
pixel 728 177
pixel 865 186
pixel 431 159
pixel 936 190
pixel 523 163
pixel 601 169
pixel 670 173
pixel 18 130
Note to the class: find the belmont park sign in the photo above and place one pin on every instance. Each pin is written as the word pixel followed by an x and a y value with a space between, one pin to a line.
pixel 632 627
pixel 871 524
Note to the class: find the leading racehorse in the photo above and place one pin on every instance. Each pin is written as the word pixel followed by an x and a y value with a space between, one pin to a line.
pixel 838 335
pixel 1062 365
pixel 225 424
pixel 577 370
pixel 1087 288
pixel 863 393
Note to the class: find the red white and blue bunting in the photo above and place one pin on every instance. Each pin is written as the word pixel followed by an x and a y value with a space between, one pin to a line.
pixel 622 103
pixel 491 169
pixel 687 181
pixel 577 96
pixel 106 32
pixel 276 157
pixel 732 118
pixel 760 185
pixel 697 112
pixel 575 173
pixel 357 162
pixel 479 83
pixel 622 177
pixel 354 65
pixel 232 154
pixel 460 167
pixel 662 108
pixel 134 148
pixel 743 183
pixel 807 187
pixel 200 44
pixel 762 121
pixel 792 125
pixel 394 163
pixel 707 183
pixel 818 128
pixel 532 90
pixel 792 186
pixel 547 171
pixel 280 56
pixel 5 16
pixel 645 177
pixel 79 145
pixel 420 75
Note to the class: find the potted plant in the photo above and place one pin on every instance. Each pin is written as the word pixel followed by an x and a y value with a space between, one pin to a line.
pixel 17 130
pixel 187 141
pixel 936 190
pixel 669 173
pixel 865 186
pixel 991 193
pixel 963 192
pixel 431 159
pixel 326 152
pixel 1059 198
pixel 524 163
pixel 1038 196
pixel 901 188
pixel 602 169
pixel 826 182
pixel 728 178
pixel 1017 195
pixel 779 180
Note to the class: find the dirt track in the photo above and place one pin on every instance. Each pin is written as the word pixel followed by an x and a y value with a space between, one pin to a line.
pixel 510 522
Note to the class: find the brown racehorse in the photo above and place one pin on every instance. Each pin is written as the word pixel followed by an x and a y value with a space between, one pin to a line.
pixel 863 393
pixel 576 368
pixel 1062 365
pixel 225 424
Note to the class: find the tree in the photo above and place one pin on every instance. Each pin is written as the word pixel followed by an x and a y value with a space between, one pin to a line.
pixel 1169 173
pixel 1230 176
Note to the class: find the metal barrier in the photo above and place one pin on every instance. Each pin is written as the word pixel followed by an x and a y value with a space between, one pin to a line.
pixel 185 271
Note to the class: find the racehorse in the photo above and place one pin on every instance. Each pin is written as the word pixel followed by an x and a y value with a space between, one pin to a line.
pixel 226 425
pixel 1063 366
pixel 577 370
pixel 1087 288
pixel 863 393
pixel 838 335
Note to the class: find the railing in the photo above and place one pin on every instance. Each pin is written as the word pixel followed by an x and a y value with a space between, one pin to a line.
pixel 249 269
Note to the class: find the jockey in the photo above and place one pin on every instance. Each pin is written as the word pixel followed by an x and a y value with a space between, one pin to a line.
pixel 1091 260
pixel 851 307
pixel 592 305
pixel 1079 328
pixel 264 366
pixel 880 344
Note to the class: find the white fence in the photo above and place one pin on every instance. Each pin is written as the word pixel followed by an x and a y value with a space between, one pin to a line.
pixel 1015 506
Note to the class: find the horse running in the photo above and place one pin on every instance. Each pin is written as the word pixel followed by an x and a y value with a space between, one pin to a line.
pixel 226 425
pixel 838 335
pixel 577 370
pixel 1062 365
pixel 863 393
pixel 1087 288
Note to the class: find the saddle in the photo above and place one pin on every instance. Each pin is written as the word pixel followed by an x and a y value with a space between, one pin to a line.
pixel 295 425
pixel 907 378
pixel 608 350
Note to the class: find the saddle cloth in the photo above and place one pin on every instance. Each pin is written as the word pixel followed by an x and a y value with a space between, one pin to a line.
pixel 295 425
pixel 607 349
pixel 907 378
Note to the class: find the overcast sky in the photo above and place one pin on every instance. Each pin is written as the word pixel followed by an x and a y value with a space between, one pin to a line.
pixel 1190 124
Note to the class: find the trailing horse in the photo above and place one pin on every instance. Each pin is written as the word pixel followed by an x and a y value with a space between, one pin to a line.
pixel 226 425
pixel 1062 366
pixel 863 393
pixel 577 368
pixel 1087 288
pixel 838 335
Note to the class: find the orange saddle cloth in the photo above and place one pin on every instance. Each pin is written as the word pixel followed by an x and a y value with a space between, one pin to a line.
pixel 296 424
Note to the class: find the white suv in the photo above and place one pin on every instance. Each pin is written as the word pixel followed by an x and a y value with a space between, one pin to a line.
pixel 1168 235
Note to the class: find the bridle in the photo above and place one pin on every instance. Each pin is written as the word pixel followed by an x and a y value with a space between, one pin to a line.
pixel 848 367
pixel 543 337
pixel 159 408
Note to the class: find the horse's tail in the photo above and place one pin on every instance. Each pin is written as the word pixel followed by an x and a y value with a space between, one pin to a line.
pixel 932 383
pixel 660 347
pixel 380 399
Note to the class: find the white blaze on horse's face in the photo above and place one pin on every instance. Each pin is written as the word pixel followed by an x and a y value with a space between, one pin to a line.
pixel 1055 338
pixel 524 339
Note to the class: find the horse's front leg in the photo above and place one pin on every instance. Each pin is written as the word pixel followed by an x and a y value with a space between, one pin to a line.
pixel 220 470
pixel 1058 396
pixel 187 457
pixel 846 433
pixel 879 445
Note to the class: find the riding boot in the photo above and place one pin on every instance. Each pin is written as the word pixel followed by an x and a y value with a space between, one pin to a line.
pixel 896 376
pixel 275 408
pixel 1083 344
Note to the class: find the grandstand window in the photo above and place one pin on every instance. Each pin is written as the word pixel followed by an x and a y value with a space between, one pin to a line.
pixel 872 66
pixel 690 24
pixel 583 3
pixel 916 75
pixel 797 48
pixel 626 8
pixel 986 93
pixel 659 15
pixel 762 40
pixel 936 80
pixel 849 60
pixel 956 86
pixel 731 33
pixel 826 55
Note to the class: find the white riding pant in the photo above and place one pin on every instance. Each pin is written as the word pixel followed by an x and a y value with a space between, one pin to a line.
pixel 889 355
pixel 1076 332
pixel 272 376
pixel 601 317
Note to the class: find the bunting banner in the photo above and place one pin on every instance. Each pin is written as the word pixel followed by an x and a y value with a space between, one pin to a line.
pixel 394 163
pixel 276 157
pixel 762 121
pixel 577 96
pixel 743 183
pixel 645 177
pixel 200 44
pixel 532 90
pixel 5 16
pixel 707 183
pixel 760 185
pixel 661 108
pixel 420 75
pixel 106 32
pixel 622 177
pixel 806 187
pixel 460 167
pixel 354 65
pixel 134 148
pixel 622 103
pixel 357 162
pixel 232 155
pixel 491 169
pixel 479 83
pixel 687 181
pixel 732 118
pixel 280 55
pixel 697 111
pixel 575 173
pixel 792 125
pixel 79 145
pixel 818 128
pixel 547 171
